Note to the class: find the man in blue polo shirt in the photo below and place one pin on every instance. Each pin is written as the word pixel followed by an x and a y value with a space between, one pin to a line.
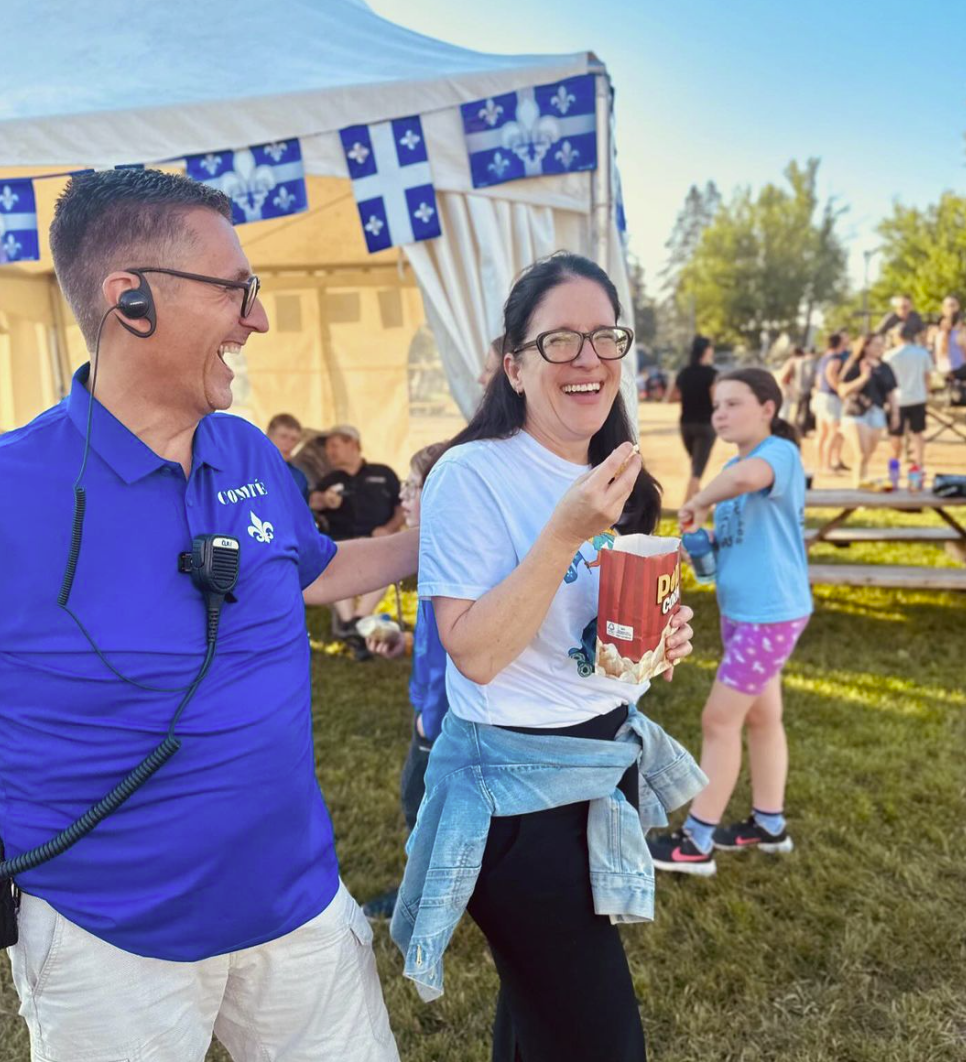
pixel 211 900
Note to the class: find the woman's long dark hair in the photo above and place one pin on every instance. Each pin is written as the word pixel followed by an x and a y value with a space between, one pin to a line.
pixel 698 346
pixel 503 412
pixel 765 388
pixel 857 354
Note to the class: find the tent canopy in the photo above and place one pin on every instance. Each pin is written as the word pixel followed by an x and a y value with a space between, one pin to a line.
pixel 152 84
pixel 143 83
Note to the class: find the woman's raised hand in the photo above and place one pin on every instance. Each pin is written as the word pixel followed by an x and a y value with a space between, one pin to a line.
pixel 596 500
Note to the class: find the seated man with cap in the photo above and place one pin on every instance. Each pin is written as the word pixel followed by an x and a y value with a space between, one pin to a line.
pixel 358 500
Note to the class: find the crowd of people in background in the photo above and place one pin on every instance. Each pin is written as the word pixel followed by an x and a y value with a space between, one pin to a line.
pixel 851 394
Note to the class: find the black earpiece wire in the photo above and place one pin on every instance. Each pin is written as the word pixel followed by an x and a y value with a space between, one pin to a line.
pixel 155 759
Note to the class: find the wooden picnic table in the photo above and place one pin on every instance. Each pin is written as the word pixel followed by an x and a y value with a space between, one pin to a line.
pixel 835 531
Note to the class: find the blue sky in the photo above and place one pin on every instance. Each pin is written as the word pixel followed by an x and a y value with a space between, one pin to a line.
pixel 731 92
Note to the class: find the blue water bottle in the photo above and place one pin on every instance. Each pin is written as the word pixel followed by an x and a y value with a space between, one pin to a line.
pixel 894 472
pixel 700 549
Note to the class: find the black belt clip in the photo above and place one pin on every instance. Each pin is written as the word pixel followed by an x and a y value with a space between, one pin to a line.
pixel 9 906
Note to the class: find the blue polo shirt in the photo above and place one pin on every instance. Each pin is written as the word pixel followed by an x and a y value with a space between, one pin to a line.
pixel 230 843
pixel 427 680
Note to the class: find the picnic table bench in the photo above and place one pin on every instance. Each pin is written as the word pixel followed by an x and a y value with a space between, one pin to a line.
pixel 835 531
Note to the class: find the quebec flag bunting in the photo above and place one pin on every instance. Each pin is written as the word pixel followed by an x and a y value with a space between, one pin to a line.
pixel 267 181
pixel 544 129
pixel 19 241
pixel 392 183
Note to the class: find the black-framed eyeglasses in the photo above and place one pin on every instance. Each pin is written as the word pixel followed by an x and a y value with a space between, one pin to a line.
pixel 565 344
pixel 250 287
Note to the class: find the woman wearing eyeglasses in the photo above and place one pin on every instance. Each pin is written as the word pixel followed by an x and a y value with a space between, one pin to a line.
pixel 545 776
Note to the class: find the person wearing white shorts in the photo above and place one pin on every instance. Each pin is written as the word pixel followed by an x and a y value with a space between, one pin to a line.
pixel 312 995
pixel 827 405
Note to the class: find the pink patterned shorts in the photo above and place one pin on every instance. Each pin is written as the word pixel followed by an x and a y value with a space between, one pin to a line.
pixel 754 653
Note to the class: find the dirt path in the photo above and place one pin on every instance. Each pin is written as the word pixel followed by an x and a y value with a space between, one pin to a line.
pixel 666 459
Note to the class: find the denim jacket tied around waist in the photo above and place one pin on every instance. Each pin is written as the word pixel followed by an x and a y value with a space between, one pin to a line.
pixel 478 771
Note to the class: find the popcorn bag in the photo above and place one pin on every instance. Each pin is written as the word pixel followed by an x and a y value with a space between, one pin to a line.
pixel 640 590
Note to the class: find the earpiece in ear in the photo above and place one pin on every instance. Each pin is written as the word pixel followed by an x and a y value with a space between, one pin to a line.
pixel 137 305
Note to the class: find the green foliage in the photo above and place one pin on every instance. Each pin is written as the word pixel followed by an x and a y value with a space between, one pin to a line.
pixel 765 263
pixel 923 254
pixel 645 321
pixel 675 326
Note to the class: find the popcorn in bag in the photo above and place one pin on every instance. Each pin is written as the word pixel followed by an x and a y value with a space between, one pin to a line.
pixel 640 590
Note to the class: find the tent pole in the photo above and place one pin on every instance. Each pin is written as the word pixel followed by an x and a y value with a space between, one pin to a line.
pixel 59 357
pixel 601 205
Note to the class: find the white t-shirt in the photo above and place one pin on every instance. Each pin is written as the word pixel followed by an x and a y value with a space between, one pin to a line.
pixel 910 364
pixel 483 507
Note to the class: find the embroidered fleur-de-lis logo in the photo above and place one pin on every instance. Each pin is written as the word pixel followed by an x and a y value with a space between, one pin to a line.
pixel 211 163
pixel 490 112
pixel 8 198
pixel 261 532
pixel 375 225
pixel 276 150
pixel 562 99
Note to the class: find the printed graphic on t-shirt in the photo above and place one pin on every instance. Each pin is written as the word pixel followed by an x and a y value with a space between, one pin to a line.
pixel 730 522
pixel 605 540
pixel 584 655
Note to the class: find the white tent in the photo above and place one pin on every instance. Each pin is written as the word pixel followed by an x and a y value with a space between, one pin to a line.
pixel 109 83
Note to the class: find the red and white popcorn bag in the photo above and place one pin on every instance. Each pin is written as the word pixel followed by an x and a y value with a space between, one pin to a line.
pixel 640 590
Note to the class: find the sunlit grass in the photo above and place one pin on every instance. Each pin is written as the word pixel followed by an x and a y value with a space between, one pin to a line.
pixel 850 950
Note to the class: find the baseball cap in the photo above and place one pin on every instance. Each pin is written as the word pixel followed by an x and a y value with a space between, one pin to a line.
pixel 345 430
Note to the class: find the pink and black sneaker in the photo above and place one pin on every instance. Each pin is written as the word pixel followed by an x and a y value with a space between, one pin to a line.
pixel 678 853
pixel 749 834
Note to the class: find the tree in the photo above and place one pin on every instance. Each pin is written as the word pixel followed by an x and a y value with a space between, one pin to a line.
pixel 923 255
pixel 694 217
pixel 645 320
pixel 675 325
pixel 765 263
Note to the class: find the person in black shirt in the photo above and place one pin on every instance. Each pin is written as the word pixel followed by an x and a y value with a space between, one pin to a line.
pixel 901 312
pixel 866 386
pixel 693 389
pixel 357 500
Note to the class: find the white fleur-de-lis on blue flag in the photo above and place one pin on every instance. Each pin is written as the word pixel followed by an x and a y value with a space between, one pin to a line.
pixel 562 99
pixel 532 132
pixel 490 112
pixel 264 181
pixel 392 182
pixel 19 240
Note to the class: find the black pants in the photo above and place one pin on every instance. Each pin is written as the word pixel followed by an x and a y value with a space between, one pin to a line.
pixel 566 993
pixel 698 440
pixel 412 783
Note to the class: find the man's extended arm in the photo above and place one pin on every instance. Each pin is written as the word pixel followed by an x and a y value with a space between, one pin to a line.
pixel 395 522
pixel 364 564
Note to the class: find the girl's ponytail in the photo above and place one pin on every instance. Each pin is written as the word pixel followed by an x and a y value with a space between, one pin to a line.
pixel 765 388
pixel 784 430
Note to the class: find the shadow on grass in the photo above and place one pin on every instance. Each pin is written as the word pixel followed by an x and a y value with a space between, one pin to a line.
pixel 849 950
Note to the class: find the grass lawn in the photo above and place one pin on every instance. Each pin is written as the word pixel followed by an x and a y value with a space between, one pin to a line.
pixel 852 949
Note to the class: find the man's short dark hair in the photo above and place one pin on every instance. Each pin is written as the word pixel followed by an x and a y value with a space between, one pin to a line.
pixel 909 331
pixel 104 221
pixel 283 420
pixel 834 340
